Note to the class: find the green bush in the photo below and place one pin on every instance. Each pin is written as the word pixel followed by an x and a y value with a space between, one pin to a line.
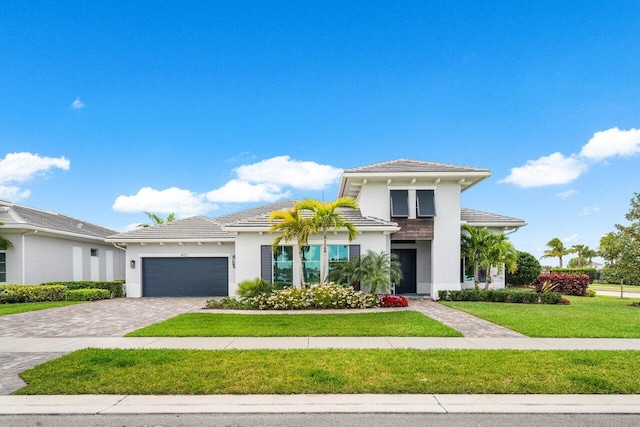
pixel 227 303
pixel 87 294
pixel 31 293
pixel 527 271
pixel 590 293
pixel 255 287
pixel 317 296
pixel 589 271
pixel 114 287
pixel 502 295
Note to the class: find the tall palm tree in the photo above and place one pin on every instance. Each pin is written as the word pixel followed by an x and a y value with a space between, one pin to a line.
pixel 4 242
pixel 157 220
pixel 486 249
pixel 589 254
pixel 292 225
pixel 556 250
pixel 326 216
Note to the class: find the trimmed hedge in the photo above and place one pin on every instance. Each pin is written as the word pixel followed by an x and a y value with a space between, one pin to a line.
pixel 115 287
pixel 589 271
pixel 10 294
pixel 566 284
pixel 502 295
pixel 87 294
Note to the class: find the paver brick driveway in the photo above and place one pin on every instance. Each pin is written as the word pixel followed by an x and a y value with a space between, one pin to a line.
pixel 107 318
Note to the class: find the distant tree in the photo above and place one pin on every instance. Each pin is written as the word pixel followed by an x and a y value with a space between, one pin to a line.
pixel 157 220
pixel 621 248
pixel 526 272
pixel 4 242
pixel 579 250
pixel 556 250
pixel 589 254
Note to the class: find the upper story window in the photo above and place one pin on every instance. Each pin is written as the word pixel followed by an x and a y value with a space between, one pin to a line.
pixel 94 252
pixel 400 203
pixel 425 203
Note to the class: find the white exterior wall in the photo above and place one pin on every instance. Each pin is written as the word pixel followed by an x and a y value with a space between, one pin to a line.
pixel 446 239
pixel 136 252
pixel 49 258
pixel 374 200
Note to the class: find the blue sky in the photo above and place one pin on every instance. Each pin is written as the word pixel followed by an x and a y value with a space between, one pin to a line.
pixel 110 109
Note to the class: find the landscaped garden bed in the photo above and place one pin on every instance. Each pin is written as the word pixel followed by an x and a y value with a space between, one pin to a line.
pixel 396 323
pixel 169 372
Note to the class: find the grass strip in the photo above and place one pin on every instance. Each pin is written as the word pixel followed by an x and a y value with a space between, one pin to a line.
pixel 599 317
pixel 6 309
pixel 167 372
pixel 395 323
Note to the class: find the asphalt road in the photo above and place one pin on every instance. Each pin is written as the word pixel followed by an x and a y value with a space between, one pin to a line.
pixel 322 420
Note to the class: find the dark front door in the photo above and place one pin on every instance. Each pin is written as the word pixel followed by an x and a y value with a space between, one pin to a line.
pixel 407 258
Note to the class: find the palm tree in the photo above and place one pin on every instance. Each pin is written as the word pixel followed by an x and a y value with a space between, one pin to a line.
pixel 375 270
pixel 4 242
pixel 157 220
pixel 589 254
pixel 292 225
pixel 486 249
pixel 579 249
pixel 326 216
pixel 557 250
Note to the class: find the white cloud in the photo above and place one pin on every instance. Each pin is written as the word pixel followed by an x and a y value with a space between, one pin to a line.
pixel 283 171
pixel 547 170
pixel 589 211
pixel 21 167
pixel 238 191
pixel 566 194
pixel 570 239
pixel 172 200
pixel 612 142
pixel 13 193
pixel 77 104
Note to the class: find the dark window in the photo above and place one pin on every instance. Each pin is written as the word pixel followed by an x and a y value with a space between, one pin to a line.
pixel 425 203
pixel 3 267
pixel 400 203
pixel 283 265
pixel 94 252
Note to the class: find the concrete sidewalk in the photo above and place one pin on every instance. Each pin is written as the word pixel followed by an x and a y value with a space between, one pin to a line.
pixel 326 403
pixel 65 345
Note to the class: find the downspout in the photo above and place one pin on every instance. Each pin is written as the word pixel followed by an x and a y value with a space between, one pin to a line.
pixel 23 254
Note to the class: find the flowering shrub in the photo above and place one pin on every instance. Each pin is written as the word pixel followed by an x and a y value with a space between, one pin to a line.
pixel 326 295
pixel 393 301
pixel 566 284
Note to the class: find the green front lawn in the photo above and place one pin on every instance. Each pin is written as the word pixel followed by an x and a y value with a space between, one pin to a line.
pixel 599 317
pixel 32 306
pixel 394 323
pixel 168 372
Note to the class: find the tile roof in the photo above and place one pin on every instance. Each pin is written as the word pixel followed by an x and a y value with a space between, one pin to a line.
pixel 17 216
pixel 192 228
pixel 408 165
pixel 254 212
pixel 472 216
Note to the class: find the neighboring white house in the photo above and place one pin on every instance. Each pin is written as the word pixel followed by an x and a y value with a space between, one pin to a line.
pixel 51 247
pixel 409 208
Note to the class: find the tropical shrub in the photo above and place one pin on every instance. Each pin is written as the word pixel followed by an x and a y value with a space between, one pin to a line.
pixel 374 271
pixel 502 295
pixel 527 271
pixel 327 295
pixel 87 294
pixel 227 303
pixel 590 293
pixel 589 271
pixel 392 301
pixel 31 293
pixel 566 284
pixel 255 287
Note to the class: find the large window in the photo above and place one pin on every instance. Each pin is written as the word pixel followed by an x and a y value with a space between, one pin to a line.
pixel 400 203
pixel 283 265
pixel 311 263
pixel 3 267
pixel 425 203
pixel 338 254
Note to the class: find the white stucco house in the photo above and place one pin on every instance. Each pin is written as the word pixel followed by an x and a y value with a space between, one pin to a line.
pixel 50 247
pixel 407 207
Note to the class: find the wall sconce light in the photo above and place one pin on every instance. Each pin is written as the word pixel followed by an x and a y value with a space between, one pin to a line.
pixel 233 261
pixel 132 263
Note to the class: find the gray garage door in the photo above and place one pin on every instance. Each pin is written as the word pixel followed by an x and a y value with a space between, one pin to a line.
pixel 185 277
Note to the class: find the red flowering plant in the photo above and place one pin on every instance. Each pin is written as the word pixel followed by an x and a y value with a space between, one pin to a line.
pixel 392 301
